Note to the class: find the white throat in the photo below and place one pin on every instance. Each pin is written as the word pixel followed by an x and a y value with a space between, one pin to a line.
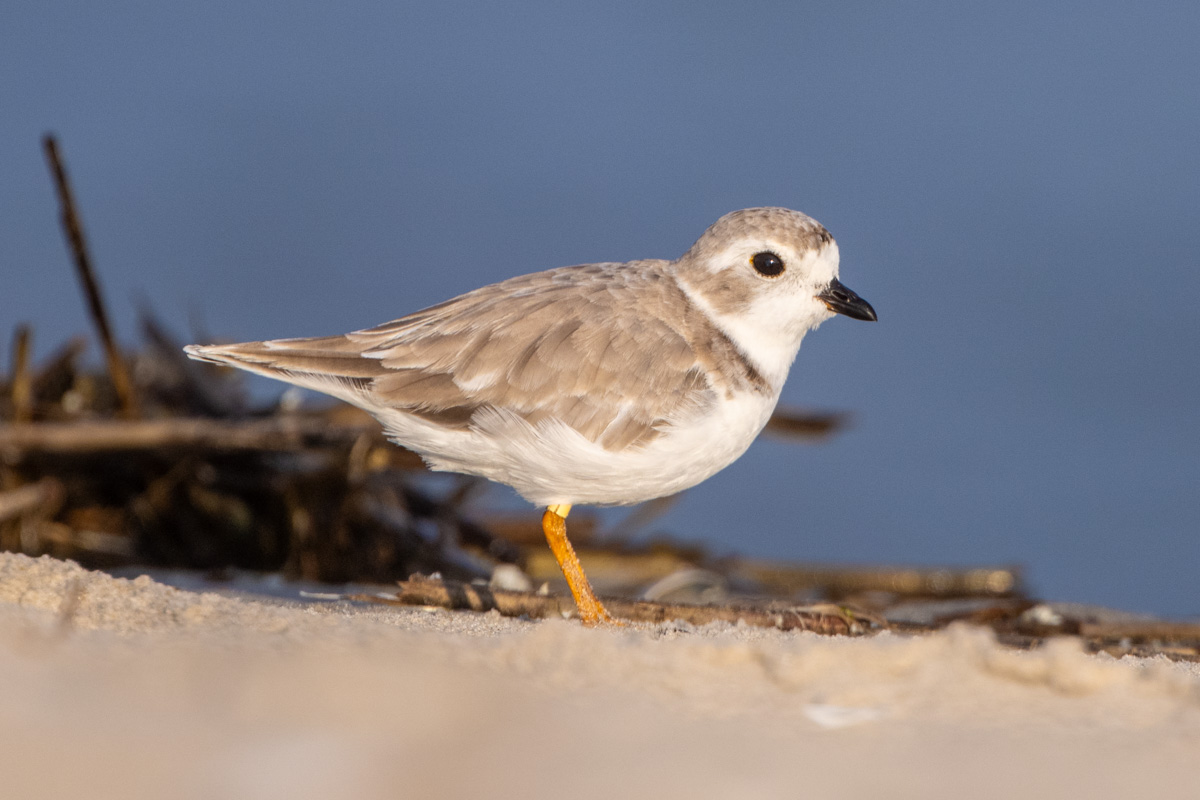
pixel 770 329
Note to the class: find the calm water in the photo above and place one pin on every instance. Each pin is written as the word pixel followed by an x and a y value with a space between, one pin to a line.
pixel 1016 190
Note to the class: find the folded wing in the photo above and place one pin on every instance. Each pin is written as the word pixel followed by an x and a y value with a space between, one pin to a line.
pixel 579 345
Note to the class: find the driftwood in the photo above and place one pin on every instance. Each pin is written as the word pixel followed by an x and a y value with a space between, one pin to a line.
pixel 1142 632
pixel 823 618
pixel 280 433
pixel 631 566
pixel 906 581
pixel 73 228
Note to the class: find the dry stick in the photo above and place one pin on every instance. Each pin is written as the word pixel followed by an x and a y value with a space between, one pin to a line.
pixel 104 437
pixel 798 424
pixel 908 581
pixel 1141 631
pixel 22 382
pixel 778 579
pixel 827 619
pixel 83 264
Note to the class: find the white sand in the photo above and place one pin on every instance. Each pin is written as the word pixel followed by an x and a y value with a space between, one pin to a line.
pixel 152 692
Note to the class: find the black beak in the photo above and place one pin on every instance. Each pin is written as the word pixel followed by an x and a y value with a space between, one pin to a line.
pixel 844 301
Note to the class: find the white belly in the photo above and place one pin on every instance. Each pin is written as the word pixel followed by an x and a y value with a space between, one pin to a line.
pixel 552 463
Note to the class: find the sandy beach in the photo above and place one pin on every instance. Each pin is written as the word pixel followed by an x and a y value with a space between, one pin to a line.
pixel 130 689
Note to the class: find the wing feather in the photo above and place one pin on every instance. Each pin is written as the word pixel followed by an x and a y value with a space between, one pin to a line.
pixel 614 351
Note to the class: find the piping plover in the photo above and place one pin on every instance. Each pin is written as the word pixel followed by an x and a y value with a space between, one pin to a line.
pixel 600 384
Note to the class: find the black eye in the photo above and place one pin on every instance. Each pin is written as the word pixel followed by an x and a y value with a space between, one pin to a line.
pixel 767 263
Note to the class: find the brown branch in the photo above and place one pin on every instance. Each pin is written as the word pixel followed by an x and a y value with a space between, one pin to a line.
pixel 99 437
pixel 908 581
pixel 825 618
pixel 798 424
pixel 1142 631
pixel 73 228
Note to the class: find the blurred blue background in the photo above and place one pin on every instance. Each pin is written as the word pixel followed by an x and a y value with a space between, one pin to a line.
pixel 1015 187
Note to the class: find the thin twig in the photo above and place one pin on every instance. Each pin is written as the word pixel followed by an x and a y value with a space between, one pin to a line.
pixel 825 618
pixel 909 581
pixel 799 424
pixel 83 264
pixel 1141 631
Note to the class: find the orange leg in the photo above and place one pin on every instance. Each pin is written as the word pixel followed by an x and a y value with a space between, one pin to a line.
pixel 591 610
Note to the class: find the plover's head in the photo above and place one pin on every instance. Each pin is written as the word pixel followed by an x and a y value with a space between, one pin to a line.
pixel 768 276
